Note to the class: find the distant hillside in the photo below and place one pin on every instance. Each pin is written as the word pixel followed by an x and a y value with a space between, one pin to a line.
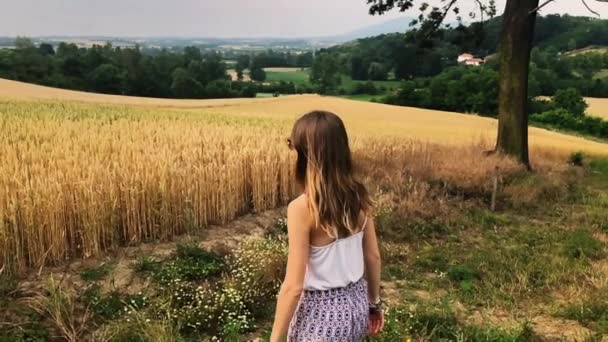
pixel 563 32
pixel 398 25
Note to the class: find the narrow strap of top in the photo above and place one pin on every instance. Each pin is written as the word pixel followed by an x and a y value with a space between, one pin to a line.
pixel 364 223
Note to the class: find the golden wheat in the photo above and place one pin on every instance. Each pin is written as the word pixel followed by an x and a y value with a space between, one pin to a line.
pixel 598 107
pixel 77 179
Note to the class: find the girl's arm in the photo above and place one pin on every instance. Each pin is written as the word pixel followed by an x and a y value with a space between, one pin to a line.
pixel 371 253
pixel 298 228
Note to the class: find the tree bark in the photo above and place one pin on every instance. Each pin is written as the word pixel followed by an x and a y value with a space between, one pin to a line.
pixel 515 48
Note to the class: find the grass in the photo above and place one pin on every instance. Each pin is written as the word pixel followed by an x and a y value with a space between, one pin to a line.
pixel 298 76
pixel 191 263
pixel 97 273
pixel 302 78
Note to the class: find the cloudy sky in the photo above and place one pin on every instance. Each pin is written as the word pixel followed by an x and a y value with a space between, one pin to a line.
pixel 217 18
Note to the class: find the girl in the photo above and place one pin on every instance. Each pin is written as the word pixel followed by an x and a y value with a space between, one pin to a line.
pixel 332 243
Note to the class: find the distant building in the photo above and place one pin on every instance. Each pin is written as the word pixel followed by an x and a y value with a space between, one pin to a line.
pixel 464 57
pixel 468 59
pixel 474 62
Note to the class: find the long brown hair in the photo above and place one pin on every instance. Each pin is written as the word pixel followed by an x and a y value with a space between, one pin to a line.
pixel 324 170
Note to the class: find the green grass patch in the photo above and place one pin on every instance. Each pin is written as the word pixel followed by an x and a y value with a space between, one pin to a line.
pixel 599 174
pixel 592 313
pixel 191 263
pixel 97 273
pixel 440 324
pixel 298 77
pixel 582 244
pixel 112 305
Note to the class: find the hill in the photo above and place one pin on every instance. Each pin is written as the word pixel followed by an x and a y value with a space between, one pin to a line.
pixel 365 118
pixel 397 25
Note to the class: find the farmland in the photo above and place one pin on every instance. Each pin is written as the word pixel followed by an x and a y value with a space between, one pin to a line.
pixel 132 203
pixel 598 107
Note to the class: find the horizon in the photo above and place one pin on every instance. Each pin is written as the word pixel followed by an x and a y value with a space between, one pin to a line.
pixel 273 19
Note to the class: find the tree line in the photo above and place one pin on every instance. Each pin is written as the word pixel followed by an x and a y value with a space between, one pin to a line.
pixel 187 73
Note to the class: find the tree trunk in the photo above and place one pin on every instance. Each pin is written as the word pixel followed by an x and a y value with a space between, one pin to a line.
pixel 515 48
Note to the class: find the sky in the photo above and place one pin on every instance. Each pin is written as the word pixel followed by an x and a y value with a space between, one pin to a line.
pixel 205 18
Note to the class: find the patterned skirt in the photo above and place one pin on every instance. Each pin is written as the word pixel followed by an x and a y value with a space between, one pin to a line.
pixel 340 314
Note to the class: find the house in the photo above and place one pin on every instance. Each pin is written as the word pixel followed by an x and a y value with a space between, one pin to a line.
pixel 464 57
pixel 468 59
pixel 474 62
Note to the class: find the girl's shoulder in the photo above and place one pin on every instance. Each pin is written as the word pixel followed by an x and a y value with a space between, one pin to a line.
pixel 297 211
pixel 298 206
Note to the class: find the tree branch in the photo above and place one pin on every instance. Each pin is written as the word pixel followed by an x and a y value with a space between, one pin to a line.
pixel 481 9
pixel 446 10
pixel 541 6
pixel 589 8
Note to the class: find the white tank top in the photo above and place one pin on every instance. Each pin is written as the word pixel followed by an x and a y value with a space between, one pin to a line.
pixel 337 264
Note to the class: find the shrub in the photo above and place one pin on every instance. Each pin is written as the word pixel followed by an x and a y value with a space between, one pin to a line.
pixel 570 100
pixel 562 119
pixel 364 88
pixel 576 158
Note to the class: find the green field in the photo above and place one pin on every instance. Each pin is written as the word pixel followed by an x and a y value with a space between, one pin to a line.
pixel 301 77
pixel 298 77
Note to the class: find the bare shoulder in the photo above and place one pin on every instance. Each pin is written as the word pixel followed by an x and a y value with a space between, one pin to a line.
pixel 297 212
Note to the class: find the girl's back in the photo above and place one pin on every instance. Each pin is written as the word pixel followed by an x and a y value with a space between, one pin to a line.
pixel 332 243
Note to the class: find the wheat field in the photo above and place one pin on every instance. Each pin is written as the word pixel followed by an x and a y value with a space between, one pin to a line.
pixel 598 107
pixel 83 173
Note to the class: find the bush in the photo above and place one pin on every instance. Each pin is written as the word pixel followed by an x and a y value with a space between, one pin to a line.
pixel 562 119
pixel 577 158
pixel 570 100
pixel 364 88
